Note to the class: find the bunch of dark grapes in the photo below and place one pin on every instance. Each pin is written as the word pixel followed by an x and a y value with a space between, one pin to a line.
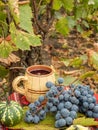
pixel 62 102
pixel 36 111
pixel 65 103
pixel 87 101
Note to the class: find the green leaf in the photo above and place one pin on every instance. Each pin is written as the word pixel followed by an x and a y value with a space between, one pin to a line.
pixel 71 22
pixel 79 28
pixel 70 79
pixel 6 48
pixel 25 18
pixel 34 40
pixel 3 71
pixel 76 62
pixel 68 4
pixel 14 12
pixel 85 121
pixel 87 74
pixel 66 62
pixel 93 59
pixel 57 4
pixel 85 24
pixel 62 26
pixel 22 42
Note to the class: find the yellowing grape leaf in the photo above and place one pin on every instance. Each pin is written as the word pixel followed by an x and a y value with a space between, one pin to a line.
pixel 93 58
pixel 62 26
pixel 6 47
pixel 57 4
pixel 68 4
pixel 76 62
pixel 85 122
pixel 87 74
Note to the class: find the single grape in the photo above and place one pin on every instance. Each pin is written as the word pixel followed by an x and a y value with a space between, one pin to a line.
pixel 60 80
pixel 61 97
pixel 85 105
pixel 60 88
pixel 37 103
pixel 74 100
pixel 89 113
pixel 58 116
pixel 66 97
pixel 53 109
pixel 57 124
pixel 90 100
pixel 42 112
pixel 60 106
pixel 94 99
pixel 29 119
pixel 49 104
pixel 28 113
pixel 42 117
pixel 95 115
pixel 95 109
pixel 41 98
pixel 36 119
pixel 84 98
pixel 74 108
pixel 32 107
pixel 68 105
pixel 77 93
pixel 91 105
pixel 69 120
pixel 62 122
pixel 65 112
pixel 55 101
pixel 84 93
pixel 49 84
pixel 73 114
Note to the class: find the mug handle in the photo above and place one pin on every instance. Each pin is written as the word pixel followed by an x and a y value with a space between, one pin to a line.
pixel 16 82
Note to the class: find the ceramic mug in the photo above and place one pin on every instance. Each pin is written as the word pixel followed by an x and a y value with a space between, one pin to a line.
pixel 34 81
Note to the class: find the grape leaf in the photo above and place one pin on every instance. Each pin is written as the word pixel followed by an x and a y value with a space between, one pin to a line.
pixel 6 48
pixel 24 40
pixel 13 5
pixel 68 4
pixel 3 71
pixel 25 18
pixel 85 121
pixel 76 62
pixel 62 26
pixel 93 58
pixel 87 74
pixel 57 4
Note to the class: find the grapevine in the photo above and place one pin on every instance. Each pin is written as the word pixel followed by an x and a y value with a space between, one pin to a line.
pixel 65 103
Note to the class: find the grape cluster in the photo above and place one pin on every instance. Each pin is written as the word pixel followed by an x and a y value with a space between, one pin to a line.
pixel 62 102
pixel 87 101
pixel 36 111
pixel 65 103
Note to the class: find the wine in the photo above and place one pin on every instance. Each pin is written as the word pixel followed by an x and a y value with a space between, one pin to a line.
pixel 40 72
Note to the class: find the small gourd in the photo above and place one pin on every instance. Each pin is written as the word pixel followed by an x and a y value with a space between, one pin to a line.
pixel 11 113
